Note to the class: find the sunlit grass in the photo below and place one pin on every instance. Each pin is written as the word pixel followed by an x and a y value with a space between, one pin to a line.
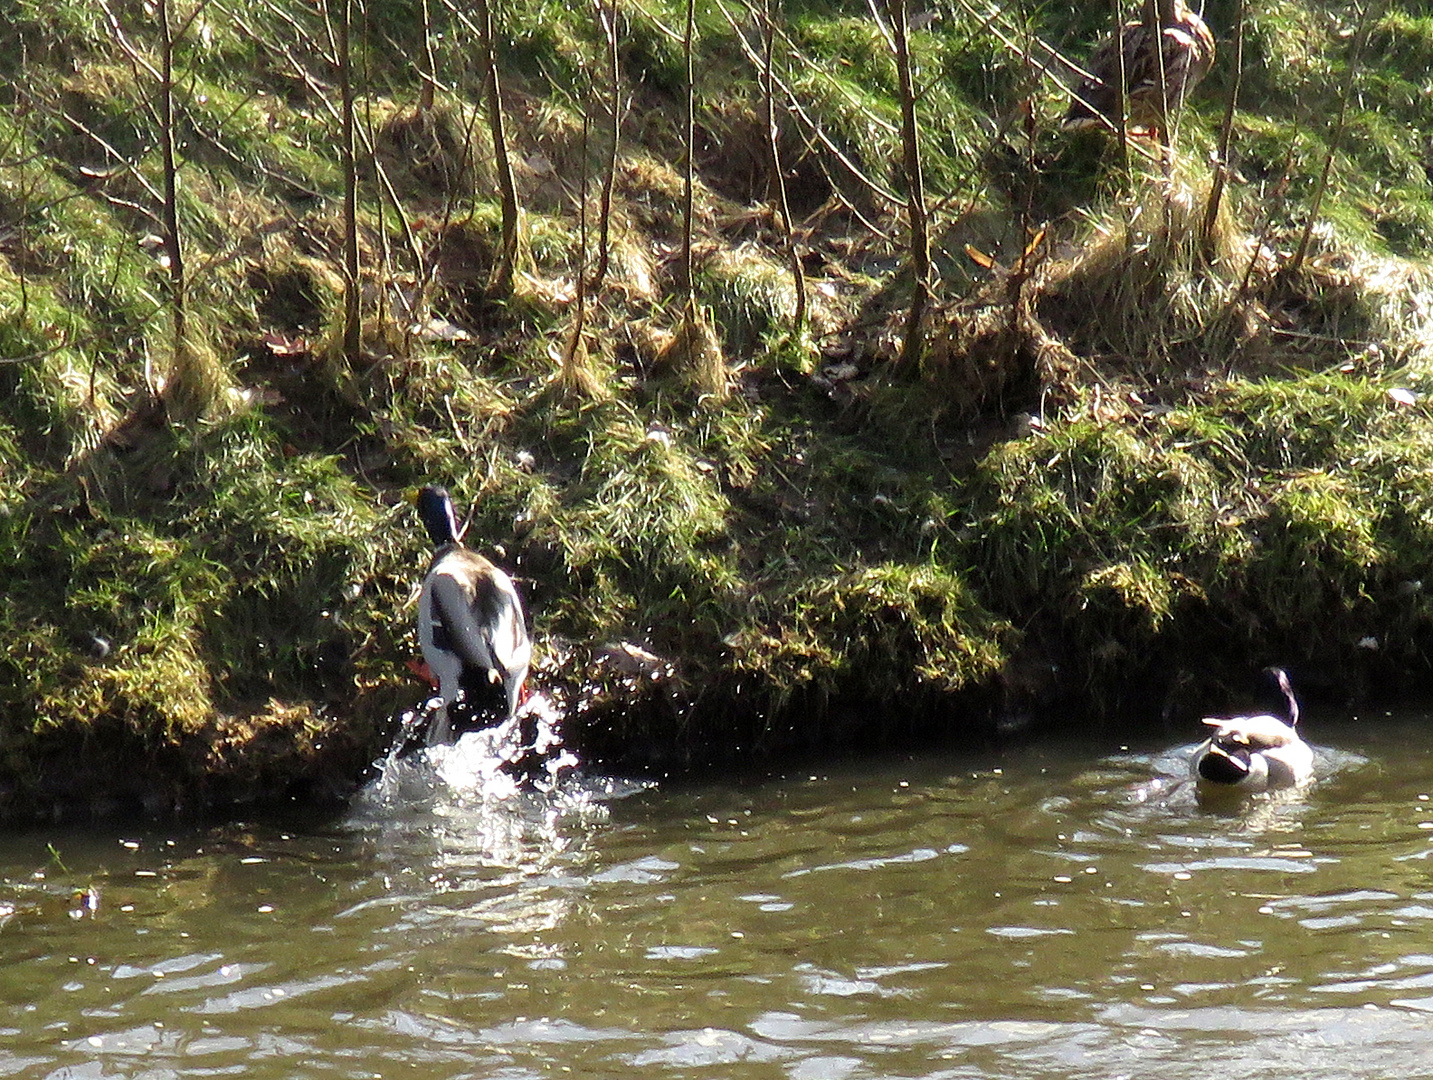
pixel 1215 473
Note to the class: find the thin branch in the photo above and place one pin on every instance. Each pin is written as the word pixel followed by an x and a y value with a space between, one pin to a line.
pixel 1226 128
pixel 1365 27
pixel 811 125
pixel 347 150
pixel 117 30
pixel 608 22
pixel 778 177
pixel 128 166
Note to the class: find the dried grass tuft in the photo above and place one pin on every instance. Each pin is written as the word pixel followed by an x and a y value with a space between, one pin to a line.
pixel 577 375
pixel 694 353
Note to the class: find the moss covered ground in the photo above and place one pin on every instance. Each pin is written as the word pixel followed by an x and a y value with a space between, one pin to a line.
pixel 1144 451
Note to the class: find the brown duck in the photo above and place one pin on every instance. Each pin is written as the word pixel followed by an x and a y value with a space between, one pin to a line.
pixel 1168 48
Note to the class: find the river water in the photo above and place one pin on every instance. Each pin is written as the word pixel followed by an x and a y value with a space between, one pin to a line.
pixel 1049 911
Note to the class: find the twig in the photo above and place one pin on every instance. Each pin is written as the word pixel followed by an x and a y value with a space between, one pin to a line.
pixel 1350 74
pixel 1226 128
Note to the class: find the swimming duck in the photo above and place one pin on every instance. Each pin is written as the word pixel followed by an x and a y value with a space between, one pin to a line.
pixel 1254 753
pixel 1168 46
pixel 470 624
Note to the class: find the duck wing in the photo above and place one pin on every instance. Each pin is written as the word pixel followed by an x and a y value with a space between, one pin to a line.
pixel 482 624
pixel 1221 765
pixel 1097 98
pixel 464 632
pixel 1187 53
pixel 504 626
pixel 1175 58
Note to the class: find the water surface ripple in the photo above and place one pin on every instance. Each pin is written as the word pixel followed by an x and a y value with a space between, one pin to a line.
pixel 1048 912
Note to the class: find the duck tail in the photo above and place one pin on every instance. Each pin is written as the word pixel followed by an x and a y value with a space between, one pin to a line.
pixel 1282 677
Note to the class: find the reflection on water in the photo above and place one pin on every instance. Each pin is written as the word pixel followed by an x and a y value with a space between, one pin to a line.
pixel 1048 912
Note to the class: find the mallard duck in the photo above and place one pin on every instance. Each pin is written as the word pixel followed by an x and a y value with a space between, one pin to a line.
pixel 1254 753
pixel 1168 47
pixel 470 624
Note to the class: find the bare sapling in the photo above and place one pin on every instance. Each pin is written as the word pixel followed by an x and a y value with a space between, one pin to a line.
pixel 21 145
pixel 778 173
pixel 1121 116
pixel 429 74
pixel 574 374
pixel 169 211
pixel 688 155
pixel 694 349
pixel 1226 129
pixel 194 376
pixel 896 29
pixel 1366 22
pixel 500 286
pixel 607 22
pixel 340 15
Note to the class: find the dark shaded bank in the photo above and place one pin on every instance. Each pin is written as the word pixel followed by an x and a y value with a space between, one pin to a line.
pixel 116 779
pixel 1153 435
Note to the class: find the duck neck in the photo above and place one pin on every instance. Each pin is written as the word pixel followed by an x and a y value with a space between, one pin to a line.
pixel 1162 12
pixel 442 551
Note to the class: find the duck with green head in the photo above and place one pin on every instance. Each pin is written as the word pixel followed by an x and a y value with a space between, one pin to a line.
pixel 470 625
pixel 1254 753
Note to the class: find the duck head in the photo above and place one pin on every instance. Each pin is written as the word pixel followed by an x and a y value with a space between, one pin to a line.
pixel 435 507
pixel 1253 752
pixel 1230 756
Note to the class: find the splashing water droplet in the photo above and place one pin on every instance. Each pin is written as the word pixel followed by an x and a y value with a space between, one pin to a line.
pixel 522 754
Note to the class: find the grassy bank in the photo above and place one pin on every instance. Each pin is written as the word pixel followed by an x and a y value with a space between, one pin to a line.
pixel 1143 450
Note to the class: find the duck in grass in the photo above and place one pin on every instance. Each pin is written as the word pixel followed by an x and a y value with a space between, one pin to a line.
pixel 1254 753
pixel 1167 49
pixel 471 627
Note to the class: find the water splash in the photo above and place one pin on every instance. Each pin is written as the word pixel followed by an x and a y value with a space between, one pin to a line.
pixel 523 754
pixel 520 762
pixel 505 807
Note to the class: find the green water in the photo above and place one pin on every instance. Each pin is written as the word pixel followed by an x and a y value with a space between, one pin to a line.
pixel 1046 912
